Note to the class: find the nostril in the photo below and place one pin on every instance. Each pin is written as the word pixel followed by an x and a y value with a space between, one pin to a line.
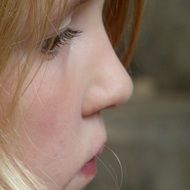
pixel 110 107
pixel 107 108
pixel 98 111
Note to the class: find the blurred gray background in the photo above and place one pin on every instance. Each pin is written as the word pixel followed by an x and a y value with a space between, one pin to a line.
pixel 151 133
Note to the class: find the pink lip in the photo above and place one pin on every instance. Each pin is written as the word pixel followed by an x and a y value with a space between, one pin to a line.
pixel 90 168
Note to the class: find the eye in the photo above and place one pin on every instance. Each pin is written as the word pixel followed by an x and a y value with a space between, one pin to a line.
pixel 50 47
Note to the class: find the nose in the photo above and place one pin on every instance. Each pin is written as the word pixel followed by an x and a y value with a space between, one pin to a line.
pixel 110 84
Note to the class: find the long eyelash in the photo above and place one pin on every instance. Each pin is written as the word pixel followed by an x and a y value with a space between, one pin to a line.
pixel 50 46
pixel 66 35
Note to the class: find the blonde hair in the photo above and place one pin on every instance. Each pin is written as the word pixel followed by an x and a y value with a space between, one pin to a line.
pixel 16 17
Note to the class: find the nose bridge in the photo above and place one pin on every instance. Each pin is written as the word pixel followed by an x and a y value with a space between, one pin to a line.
pixel 116 82
pixel 110 85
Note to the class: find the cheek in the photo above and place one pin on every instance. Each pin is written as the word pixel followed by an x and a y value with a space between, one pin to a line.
pixel 49 118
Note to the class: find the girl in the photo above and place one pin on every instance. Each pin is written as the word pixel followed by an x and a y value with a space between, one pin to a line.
pixel 58 71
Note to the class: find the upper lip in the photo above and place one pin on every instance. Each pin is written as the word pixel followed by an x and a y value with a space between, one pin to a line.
pixel 98 152
pixel 100 143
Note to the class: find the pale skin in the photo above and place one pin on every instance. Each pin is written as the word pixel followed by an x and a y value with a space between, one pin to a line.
pixel 59 115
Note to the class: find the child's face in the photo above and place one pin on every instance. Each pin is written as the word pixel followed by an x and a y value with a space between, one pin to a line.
pixel 59 114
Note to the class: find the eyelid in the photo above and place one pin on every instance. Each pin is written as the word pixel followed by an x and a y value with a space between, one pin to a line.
pixel 51 49
pixel 66 22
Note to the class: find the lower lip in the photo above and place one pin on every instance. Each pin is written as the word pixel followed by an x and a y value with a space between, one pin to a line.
pixel 89 169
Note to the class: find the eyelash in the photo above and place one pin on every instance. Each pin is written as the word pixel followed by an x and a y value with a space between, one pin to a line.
pixel 50 46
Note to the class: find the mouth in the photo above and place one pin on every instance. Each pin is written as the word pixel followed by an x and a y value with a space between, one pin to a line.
pixel 90 167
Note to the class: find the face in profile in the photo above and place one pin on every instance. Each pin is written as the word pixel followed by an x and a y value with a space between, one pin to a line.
pixel 59 115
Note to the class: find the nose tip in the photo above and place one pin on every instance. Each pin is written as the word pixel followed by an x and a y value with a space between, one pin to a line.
pixel 121 91
pixel 109 94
